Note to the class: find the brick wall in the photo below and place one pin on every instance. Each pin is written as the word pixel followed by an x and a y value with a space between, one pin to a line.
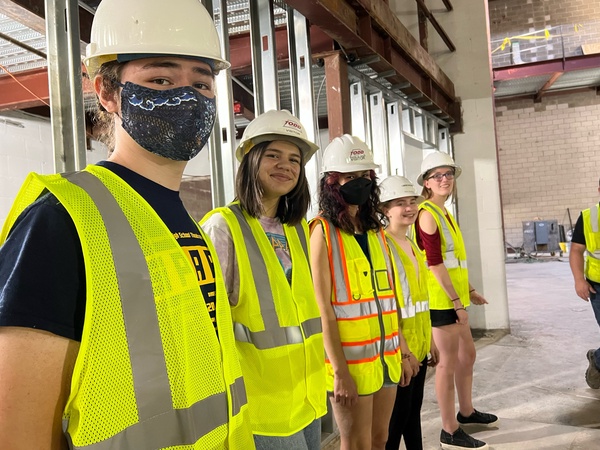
pixel 549 159
pixel 518 16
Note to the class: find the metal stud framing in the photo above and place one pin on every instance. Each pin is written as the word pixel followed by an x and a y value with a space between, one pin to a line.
pixel 264 56
pixel 66 93
pixel 379 134
pixel 395 138
pixel 222 141
pixel 301 82
pixel 358 109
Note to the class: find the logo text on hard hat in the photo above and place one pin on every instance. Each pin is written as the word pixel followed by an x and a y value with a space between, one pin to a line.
pixel 291 124
pixel 357 155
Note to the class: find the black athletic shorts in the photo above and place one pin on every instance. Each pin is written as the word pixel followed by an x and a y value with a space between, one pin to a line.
pixel 441 317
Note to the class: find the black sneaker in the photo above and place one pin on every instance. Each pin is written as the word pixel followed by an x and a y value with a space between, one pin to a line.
pixel 459 439
pixel 592 374
pixel 477 418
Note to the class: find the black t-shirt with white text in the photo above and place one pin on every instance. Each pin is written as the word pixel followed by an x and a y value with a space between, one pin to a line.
pixel 42 273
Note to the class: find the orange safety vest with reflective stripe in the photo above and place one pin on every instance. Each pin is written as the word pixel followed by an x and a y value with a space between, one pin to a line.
pixel 411 291
pixel 591 231
pixel 364 304
pixel 151 371
pixel 455 260
pixel 277 327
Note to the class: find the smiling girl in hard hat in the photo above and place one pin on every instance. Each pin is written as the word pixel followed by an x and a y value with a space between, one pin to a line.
pixel 449 295
pixel 400 205
pixel 353 281
pixel 114 323
pixel 262 242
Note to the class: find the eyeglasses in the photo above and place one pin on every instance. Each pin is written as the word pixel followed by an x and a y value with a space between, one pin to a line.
pixel 438 176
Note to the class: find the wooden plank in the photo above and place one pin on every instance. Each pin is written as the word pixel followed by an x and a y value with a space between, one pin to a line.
pixel 389 22
pixel 338 95
pixel 590 48
pixel 381 34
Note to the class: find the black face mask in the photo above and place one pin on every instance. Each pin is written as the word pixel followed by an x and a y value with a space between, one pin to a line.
pixel 357 191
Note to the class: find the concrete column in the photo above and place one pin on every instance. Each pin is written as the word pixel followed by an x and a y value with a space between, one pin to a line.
pixel 479 205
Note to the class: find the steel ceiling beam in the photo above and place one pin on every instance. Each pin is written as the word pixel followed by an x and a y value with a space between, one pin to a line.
pixel 241 58
pixel 15 94
pixel 31 14
pixel 369 27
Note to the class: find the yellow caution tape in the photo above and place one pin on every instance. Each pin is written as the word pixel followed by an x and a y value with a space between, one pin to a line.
pixel 507 40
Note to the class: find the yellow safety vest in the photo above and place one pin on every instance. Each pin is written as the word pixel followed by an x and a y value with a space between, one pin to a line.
pixel 151 371
pixel 277 328
pixel 591 231
pixel 455 260
pixel 411 292
pixel 365 308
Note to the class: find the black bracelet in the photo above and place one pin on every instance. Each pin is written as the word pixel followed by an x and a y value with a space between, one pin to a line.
pixel 454 299
pixel 458 309
pixel 472 290
pixel 405 355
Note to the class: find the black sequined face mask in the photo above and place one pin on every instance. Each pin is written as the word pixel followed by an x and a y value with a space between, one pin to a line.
pixel 174 123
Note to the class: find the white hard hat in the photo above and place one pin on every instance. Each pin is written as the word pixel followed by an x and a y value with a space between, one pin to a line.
pixel 348 154
pixel 276 125
pixel 397 187
pixel 153 28
pixel 437 159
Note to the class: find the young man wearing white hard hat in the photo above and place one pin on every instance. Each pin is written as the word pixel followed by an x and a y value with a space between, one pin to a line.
pixel 262 242
pixel 114 322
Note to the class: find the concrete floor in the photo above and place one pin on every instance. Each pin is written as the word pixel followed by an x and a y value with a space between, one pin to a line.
pixel 533 377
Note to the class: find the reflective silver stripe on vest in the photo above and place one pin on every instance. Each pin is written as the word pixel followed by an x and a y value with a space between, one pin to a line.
pixel 157 424
pixel 392 344
pixel 402 277
pixel 362 351
pixel 413 310
pixel 370 351
pixel 454 263
pixel 450 259
pixel 357 310
pixel 238 396
pixel 274 335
